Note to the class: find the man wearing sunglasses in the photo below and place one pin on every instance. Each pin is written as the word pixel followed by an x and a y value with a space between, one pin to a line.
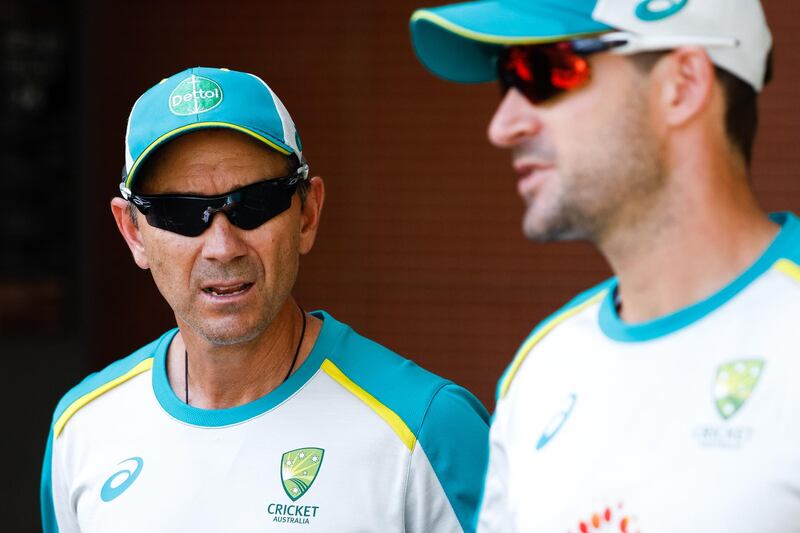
pixel 251 415
pixel 663 399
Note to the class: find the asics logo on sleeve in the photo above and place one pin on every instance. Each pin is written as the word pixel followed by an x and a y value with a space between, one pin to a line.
pixel 121 480
pixel 653 10
pixel 556 422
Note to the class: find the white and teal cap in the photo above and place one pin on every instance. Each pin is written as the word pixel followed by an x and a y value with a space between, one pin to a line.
pixel 459 42
pixel 200 98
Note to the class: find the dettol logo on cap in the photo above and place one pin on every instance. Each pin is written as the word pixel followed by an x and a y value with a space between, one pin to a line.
pixel 194 95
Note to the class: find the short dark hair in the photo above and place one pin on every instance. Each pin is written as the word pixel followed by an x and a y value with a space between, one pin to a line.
pixel 741 112
pixel 303 186
pixel 741 102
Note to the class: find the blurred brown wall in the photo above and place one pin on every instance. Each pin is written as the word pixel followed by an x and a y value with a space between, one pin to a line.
pixel 420 246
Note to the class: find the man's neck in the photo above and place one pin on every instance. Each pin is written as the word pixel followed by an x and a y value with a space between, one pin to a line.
pixel 228 376
pixel 677 257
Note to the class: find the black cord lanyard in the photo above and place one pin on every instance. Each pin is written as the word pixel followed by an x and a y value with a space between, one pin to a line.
pixel 289 373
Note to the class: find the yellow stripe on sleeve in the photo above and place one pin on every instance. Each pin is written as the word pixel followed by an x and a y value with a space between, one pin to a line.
pixel 789 268
pixel 389 416
pixel 547 328
pixel 143 366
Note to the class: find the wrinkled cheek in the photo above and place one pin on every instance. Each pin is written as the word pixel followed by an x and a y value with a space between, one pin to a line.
pixel 284 268
pixel 290 265
pixel 176 294
pixel 166 253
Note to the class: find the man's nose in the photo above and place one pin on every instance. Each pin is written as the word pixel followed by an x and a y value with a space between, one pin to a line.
pixel 514 120
pixel 222 240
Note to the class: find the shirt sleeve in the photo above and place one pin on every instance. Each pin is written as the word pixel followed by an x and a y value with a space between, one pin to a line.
pixel 448 464
pixel 494 513
pixel 57 514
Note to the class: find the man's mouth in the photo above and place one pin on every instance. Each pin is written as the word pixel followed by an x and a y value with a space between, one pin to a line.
pixel 526 168
pixel 227 289
pixel 530 174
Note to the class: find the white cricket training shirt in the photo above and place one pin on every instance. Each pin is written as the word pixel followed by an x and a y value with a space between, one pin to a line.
pixel 687 423
pixel 357 439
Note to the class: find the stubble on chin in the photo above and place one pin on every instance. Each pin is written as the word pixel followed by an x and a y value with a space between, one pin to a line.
pixel 606 188
pixel 244 324
pixel 555 219
pixel 222 331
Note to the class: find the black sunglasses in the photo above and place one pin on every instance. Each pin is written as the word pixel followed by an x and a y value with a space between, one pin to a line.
pixel 247 207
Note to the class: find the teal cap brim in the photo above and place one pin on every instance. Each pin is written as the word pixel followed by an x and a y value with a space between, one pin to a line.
pixel 459 42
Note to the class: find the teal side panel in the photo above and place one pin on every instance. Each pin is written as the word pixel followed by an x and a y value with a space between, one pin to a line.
pixel 49 524
pixel 455 438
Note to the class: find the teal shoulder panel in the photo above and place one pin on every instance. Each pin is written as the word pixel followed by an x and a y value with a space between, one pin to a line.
pixel 575 302
pixel 399 384
pixel 450 424
pixel 455 438
pixel 49 524
pixel 111 372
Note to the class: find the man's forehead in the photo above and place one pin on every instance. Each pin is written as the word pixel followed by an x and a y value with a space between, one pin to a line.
pixel 186 161
pixel 196 144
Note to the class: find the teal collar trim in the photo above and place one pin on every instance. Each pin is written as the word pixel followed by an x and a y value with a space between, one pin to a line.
pixel 328 337
pixel 616 329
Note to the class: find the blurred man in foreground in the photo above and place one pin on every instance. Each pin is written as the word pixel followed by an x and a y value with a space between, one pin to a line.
pixel 663 399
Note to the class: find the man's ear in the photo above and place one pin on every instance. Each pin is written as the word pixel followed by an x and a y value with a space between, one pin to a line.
pixel 129 229
pixel 310 213
pixel 686 81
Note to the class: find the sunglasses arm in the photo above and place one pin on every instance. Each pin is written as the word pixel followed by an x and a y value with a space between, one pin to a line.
pixel 629 43
pixel 141 204
pixel 124 191
pixel 301 174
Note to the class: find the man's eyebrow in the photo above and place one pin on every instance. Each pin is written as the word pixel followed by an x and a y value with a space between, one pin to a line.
pixel 201 195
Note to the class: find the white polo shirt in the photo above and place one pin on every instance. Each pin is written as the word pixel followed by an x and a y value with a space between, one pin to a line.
pixel 357 439
pixel 688 423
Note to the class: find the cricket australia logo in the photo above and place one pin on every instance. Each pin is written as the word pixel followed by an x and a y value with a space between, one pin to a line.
pixel 299 469
pixel 734 384
pixel 195 95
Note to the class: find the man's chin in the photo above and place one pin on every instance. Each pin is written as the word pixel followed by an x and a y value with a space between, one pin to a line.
pixel 229 339
pixel 538 228
pixel 226 334
pixel 549 229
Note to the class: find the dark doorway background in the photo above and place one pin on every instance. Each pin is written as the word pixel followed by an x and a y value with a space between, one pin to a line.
pixel 420 246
